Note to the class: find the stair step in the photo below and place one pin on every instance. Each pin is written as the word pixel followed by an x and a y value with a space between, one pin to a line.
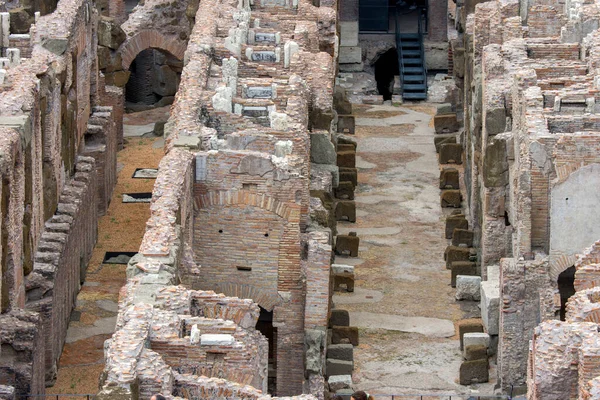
pixel 413 70
pixel 409 36
pixel 410 46
pixel 412 61
pixel 414 96
pixel 413 78
pixel 406 53
pixel 418 87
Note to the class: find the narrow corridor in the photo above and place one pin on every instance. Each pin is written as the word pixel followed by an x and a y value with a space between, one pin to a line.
pixel 121 229
pixel 403 303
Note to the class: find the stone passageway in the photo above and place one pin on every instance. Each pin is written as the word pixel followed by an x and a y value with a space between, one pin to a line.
pixel 403 303
pixel 121 229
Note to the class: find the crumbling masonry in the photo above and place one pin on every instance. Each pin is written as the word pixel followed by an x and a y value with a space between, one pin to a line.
pixel 234 232
pixel 528 74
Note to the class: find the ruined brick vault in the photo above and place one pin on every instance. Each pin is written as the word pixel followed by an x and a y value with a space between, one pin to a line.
pixel 233 234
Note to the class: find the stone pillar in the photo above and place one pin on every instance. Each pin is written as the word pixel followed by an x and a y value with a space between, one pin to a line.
pixel 14 57
pixel 4 29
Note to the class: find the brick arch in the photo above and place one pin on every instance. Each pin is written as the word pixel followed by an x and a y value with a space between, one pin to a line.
pixel 261 297
pixel 147 39
pixel 560 263
pixel 260 200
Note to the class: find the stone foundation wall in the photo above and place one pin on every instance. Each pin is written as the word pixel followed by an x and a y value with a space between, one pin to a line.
pixel 529 138
pixel 51 192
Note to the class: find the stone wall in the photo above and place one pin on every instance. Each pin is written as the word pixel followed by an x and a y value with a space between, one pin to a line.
pixel 528 78
pixel 230 210
pixel 54 113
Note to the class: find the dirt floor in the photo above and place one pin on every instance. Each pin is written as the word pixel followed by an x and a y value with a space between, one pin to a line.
pixel 403 303
pixel 121 229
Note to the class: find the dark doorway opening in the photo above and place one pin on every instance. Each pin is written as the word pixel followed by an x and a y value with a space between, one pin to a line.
pixel 386 67
pixel 153 80
pixel 265 326
pixel 566 288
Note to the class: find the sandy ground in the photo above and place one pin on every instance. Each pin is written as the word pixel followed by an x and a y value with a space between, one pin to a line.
pixel 121 229
pixel 403 303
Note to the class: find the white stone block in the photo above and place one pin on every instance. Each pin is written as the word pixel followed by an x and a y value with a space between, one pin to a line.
pixel 289 49
pixel 490 303
pixel 4 29
pixel 283 148
pixel 2 76
pixel 475 338
pixel 279 121
pixel 216 340
pixel 195 334
pixel 468 287
pixel 3 62
pixel 222 100
pixel 348 33
pixel 337 382
pixel 342 269
pixel 350 55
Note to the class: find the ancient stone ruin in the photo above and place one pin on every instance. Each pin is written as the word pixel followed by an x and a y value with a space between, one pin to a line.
pixel 231 292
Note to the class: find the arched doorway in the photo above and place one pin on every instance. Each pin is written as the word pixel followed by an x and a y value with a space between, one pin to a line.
pixel 265 326
pixel 386 67
pixel 566 289
pixel 153 81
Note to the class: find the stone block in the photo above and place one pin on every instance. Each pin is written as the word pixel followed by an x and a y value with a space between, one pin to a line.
pixel 461 268
pixel 444 109
pixel 475 352
pixel 449 178
pixel 346 159
pixel 339 318
pixel 346 147
pixel 349 175
pixel 495 121
pixel 344 191
pixel 350 55
pixel 345 210
pixel 439 140
pixel 339 367
pixel 462 237
pixel 465 327
pixel 322 150
pixel 343 139
pixel 337 382
pixel 446 123
pixel 455 222
pixel 451 153
pixel 348 33
pixel 347 245
pixel 450 198
pixel 344 335
pixel 352 68
pixel 110 33
pixel 345 394
pixel 341 104
pixel 468 287
pixel 216 339
pixel 343 282
pixel 490 305
pixel 340 352
pixel 346 124
pixel 476 338
pixel 456 253
pixel 342 268
pixel 495 164
pixel 475 371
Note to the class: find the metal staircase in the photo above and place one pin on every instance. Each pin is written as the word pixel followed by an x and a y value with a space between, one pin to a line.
pixel 411 59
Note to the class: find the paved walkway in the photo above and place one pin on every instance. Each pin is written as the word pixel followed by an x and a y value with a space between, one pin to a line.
pixel 121 229
pixel 403 303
